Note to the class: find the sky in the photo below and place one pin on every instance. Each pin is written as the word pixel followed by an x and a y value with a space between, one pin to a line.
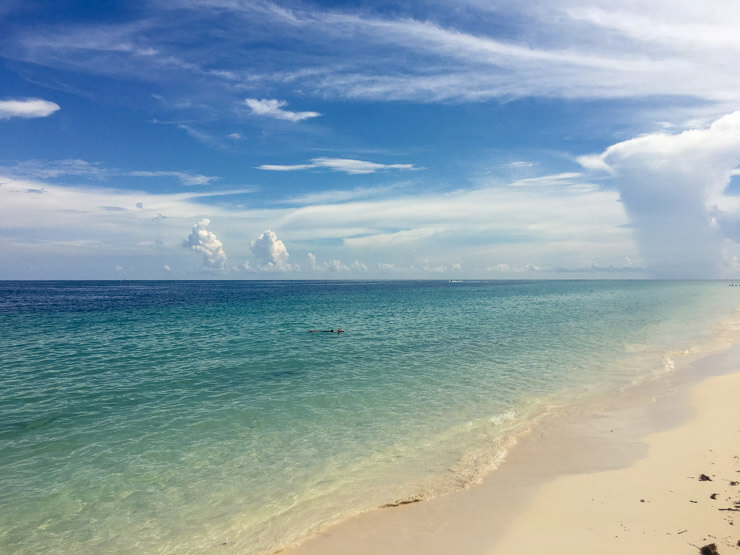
pixel 475 139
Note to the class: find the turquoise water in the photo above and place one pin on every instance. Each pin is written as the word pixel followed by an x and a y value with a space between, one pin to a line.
pixel 204 416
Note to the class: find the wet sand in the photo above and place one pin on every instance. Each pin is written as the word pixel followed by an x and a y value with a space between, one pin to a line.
pixel 655 470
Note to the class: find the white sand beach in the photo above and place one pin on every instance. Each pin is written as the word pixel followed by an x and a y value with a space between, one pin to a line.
pixel 652 471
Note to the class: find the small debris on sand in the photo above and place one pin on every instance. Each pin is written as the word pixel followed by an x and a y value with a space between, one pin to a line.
pixel 709 549
pixel 402 502
pixel 704 478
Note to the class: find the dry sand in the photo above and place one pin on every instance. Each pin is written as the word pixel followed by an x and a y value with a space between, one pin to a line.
pixel 621 477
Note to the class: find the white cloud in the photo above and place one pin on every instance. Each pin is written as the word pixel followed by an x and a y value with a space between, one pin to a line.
pixel 548 180
pixel 271 253
pixel 274 109
pixel 47 169
pixel 358 266
pixel 668 184
pixel 518 164
pixel 567 50
pixel 200 135
pixel 564 49
pixel 346 165
pixel 186 178
pixel 389 233
pixel 207 243
pixel 335 266
pixel 28 108
pixel 282 168
pixel 356 166
pixel 340 195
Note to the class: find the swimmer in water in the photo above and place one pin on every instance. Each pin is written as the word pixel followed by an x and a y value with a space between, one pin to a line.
pixel 338 330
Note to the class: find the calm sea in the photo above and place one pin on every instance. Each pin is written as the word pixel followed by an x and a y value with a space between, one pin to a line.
pixel 206 416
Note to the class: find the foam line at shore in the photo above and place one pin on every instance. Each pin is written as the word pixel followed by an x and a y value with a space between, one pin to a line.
pixel 623 477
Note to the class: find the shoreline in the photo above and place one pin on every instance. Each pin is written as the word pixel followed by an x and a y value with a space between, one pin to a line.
pixel 617 476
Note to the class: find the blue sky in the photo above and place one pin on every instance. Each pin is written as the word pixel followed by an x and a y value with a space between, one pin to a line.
pixel 475 139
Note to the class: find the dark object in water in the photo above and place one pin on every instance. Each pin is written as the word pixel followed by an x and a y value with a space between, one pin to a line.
pixel 704 478
pixel 709 549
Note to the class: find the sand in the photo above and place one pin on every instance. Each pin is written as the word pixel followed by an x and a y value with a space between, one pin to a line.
pixel 621 476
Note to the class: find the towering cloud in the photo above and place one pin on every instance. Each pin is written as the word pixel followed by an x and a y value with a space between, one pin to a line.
pixel 206 242
pixel 669 184
pixel 271 253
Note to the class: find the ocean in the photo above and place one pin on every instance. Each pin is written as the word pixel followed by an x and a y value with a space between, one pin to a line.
pixel 207 416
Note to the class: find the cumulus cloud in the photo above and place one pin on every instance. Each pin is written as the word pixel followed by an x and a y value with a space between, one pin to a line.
pixel 668 185
pixel 274 109
pixel 271 253
pixel 505 268
pixel 207 243
pixel 335 265
pixel 429 267
pixel 27 108
pixel 358 266
pixel 346 165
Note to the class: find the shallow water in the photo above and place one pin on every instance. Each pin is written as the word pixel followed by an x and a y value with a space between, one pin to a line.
pixel 191 416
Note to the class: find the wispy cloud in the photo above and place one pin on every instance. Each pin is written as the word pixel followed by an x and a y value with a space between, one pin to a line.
pixel 274 109
pixel 516 225
pixel 518 164
pixel 339 195
pixel 565 178
pixel 186 178
pixel 49 169
pixel 27 108
pixel 345 165
pixel 551 49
